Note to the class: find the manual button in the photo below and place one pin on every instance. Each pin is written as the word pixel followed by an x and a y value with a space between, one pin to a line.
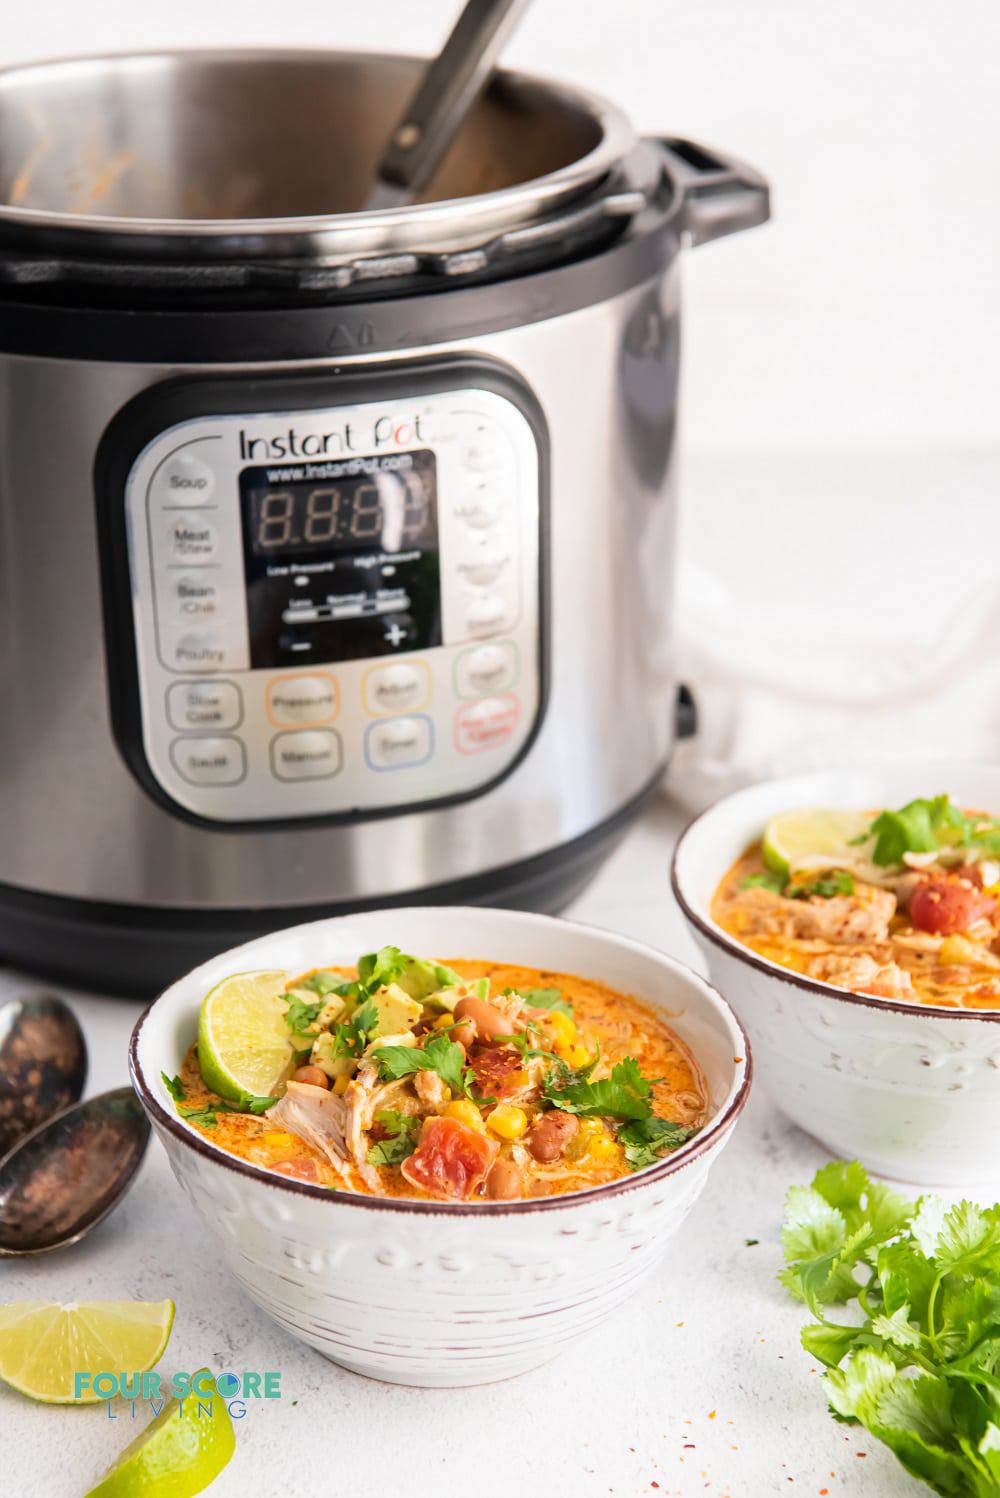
pixel 204 704
pixel 209 761
pixel 312 754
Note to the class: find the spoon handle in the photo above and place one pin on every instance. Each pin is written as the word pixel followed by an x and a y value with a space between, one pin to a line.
pixel 444 96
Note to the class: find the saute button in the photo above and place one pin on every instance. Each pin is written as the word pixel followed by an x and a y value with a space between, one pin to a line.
pixel 191 539
pixel 486 668
pixel 220 761
pixel 391 689
pixel 302 699
pixel 204 704
pixel 201 650
pixel 313 754
pixel 398 742
pixel 482 451
pixel 184 480
pixel 487 616
pixel 486 724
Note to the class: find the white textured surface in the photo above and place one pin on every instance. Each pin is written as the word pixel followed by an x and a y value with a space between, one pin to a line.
pixel 632 1406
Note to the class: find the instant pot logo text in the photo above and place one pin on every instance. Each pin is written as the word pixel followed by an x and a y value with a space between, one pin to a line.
pixel 385 432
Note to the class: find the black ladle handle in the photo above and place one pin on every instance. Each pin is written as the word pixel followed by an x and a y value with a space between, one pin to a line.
pixel 443 98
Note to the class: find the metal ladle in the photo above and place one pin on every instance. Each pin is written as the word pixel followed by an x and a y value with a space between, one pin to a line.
pixel 60 1181
pixel 444 96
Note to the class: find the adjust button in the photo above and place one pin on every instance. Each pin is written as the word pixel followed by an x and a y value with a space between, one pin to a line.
pixel 312 754
pixel 302 699
pixel 393 689
pixel 184 480
pixel 486 669
pixel 396 743
pixel 204 704
pixel 218 761
pixel 486 724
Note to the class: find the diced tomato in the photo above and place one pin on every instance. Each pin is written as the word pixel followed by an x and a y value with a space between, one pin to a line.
pixel 301 1168
pixel 451 1159
pixel 944 906
pixel 498 1071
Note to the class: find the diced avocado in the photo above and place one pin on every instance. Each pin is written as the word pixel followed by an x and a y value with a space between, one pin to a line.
pixel 421 977
pixel 446 998
pixel 324 1056
pixel 396 1010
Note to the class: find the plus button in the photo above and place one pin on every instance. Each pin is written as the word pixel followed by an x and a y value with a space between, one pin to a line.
pixel 394 634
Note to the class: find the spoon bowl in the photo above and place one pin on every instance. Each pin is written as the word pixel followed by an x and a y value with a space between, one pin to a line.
pixel 60 1181
pixel 43 1064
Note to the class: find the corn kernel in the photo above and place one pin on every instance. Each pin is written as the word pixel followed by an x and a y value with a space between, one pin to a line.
pixel 507 1120
pixel 574 1055
pixel 340 1085
pixel 603 1150
pixel 466 1112
pixel 444 1020
pixel 278 1139
pixel 590 1128
pixel 563 1027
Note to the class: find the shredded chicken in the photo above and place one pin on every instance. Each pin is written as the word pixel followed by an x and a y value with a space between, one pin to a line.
pixel 431 1089
pixel 861 974
pixel 862 916
pixel 315 1115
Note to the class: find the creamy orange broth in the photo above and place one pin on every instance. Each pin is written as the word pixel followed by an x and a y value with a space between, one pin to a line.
pixel 966 985
pixel 621 1023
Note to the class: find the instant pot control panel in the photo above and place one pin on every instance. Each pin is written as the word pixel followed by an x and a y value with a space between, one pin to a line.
pixel 334 609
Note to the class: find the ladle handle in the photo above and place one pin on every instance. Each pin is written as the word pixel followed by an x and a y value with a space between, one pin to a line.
pixel 445 94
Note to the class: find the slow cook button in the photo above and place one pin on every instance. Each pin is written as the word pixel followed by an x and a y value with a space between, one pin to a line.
pixel 313 754
pixel 397 743
pixel 204 704
pixel 220 761
pixel 393 689
pixel 486 668
pixel 184 480
pixel 302 699
pixel 191 539
pixel 486 724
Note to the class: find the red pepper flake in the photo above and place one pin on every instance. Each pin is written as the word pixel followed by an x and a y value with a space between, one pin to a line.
pixel 861 1453
pixel 823 1492
pixel 654 1484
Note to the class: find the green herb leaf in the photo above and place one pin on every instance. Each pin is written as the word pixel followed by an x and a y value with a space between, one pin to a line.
pixel 837 882
pixel 351 1037
pixel 439 1055
pixel 645 1140
pixel 774 882
pixel 625 1094
pixel 256 1105
pixel 174 1086
pixel 326 982
pixel 546 998
pixel 206 1116
pixel 921 826
pixel 402 1129
pixel 301 1013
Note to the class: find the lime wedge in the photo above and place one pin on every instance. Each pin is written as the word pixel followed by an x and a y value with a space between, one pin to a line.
pixel 815 838
pixel 244 1047
pixel 178 1454
pixel 42 1344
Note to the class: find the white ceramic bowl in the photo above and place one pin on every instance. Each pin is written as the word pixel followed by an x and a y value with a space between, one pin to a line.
pixel 911 1090
pixel 444 1294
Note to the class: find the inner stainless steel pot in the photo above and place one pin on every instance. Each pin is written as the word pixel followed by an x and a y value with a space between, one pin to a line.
pixel 271 152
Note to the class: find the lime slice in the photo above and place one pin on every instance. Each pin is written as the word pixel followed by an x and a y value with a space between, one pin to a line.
pixel 178 1454
pixel 42 1344
pixel 244 1048
pixel 815 838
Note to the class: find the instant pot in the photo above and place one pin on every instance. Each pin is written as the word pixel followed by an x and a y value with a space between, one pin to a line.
pixel 336 546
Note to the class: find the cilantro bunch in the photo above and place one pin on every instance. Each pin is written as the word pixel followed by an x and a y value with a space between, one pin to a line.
pixel 930 826
pixel 918 1362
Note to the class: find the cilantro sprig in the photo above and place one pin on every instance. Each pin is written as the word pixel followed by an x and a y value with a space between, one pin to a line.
pixel 206 1114
pixel 930 825
pixel 401 1130
pixel 545 998
pixel 440 1055
pixel 918 1365
pixel 646 1140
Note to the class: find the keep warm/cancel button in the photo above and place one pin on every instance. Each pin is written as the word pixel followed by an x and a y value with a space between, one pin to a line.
pixel 486 724
pixel 314 754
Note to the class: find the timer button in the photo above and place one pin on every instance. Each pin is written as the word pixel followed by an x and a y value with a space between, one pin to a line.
pixel 204 704
pixel 184 480
pixel 486 616
pixel 486 724
pixel 397 743
pixel 191 539
pixel 312 754
pixel 482 451
pixel 209 761
pixel 486 669
pixel 200 650
pixel 302 699
pixel 393 689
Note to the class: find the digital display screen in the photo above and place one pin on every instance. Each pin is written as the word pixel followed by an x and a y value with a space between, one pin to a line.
pixel 341 558
pixel 390 502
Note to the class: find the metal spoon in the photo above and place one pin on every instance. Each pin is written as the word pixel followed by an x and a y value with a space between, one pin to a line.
pixel 43 1064
pixel 64 1177
pixel 443 98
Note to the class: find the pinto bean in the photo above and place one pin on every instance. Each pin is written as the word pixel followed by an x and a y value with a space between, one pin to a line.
pixel 550 1134
pixel 465 1034
pixel 504 1180
pixel 314 1075
pixel 489 1022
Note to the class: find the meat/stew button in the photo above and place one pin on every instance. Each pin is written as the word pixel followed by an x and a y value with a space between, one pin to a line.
pixel 486 724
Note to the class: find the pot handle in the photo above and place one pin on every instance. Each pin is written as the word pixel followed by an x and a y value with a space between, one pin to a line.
pixel 720 194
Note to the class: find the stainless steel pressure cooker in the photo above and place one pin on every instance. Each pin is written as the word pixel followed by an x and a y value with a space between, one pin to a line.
pixel 336 546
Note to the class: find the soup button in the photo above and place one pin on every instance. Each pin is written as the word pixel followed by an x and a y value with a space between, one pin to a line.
pixel 486 724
